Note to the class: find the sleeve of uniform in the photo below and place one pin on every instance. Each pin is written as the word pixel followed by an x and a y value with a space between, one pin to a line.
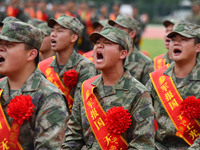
pixel 195 145
pixel 143 123
pixel 50 122
pixel 147 70
pixel 73 135
pixel 151 89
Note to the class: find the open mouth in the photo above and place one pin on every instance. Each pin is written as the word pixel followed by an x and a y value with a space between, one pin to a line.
pixel 1 59
pixel 53 42
pixel 99 56
pixel 177 52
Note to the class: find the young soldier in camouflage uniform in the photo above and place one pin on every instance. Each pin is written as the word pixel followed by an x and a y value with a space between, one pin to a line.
pixel 180 78
pixel 64 35
pixel 114 87
pixel 163 59
pixel 137 63
pixel 19 56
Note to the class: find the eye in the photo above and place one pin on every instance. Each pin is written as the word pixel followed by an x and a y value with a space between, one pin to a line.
pixel 107 42
pixel 97 42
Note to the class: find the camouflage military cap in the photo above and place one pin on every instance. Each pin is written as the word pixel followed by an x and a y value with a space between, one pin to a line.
pixel 126 22
pixel 169 21
pixel 115 35
pixel 185 29
pixel 68 22
pixel 35 22
pixel 7 19
pixel 21 32
pixel 45 28
pixel 102 23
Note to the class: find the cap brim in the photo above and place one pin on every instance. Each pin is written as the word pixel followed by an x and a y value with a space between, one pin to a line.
pixel 96 24
pixel 5 38
pixel 95 36
pixel 51 22
pixel 112 23
pixel 167 23
pixel 172 34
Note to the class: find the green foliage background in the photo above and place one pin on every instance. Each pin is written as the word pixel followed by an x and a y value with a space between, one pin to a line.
pixel 154 47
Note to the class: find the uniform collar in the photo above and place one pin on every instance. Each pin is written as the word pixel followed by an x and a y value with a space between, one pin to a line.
pixel 194 75
pixel 123 84
pixel 31 84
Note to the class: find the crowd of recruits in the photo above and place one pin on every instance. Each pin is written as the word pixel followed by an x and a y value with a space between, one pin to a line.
pixel 56 123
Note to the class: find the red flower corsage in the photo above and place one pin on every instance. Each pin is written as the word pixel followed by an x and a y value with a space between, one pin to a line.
pixel 117 120
pixel 70 78
pixel 20 108
pixel 191 107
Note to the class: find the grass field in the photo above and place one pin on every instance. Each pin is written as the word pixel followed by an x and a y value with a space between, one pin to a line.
pixel 154 47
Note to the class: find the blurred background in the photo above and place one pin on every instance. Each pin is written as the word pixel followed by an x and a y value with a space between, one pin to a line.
pixel 150 13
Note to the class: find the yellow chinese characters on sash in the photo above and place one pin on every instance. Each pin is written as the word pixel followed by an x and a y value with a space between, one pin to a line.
pixel 54 78
pixel 159 62
pixel 5 131
pixel 169 96
pixel 96 117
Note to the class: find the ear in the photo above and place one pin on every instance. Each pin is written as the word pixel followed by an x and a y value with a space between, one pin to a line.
pixel 32 54
pixel 123 54
pixel 132 34
pixel 74 38
pixel 198 47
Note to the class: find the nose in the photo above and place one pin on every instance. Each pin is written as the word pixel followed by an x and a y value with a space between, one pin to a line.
pixel 53 34
pixel 2 49
pixel 175 41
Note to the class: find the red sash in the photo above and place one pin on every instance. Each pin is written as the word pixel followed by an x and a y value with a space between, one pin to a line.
pixel 5 131
pixel 89 55
pixel 168 94
pixel 96 117
pixel 53 77
pixel 159 62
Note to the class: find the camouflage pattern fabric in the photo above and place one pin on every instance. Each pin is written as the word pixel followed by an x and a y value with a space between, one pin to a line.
pixel 102 23
pixel 128 93
pixel 80 64
pixel 115 35
pixel 22 33
pixel 169 21
pixel 45 28
pixel 8 19
pixel 68 22
pixel 166 134
pixel 195 145
pixel 139 66
pixel 126 22
pixel 35 22
pixel 188 30
pixel 168 61
pixel 46 127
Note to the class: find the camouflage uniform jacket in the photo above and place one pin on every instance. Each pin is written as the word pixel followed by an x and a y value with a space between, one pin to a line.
pixel 165 135
pixel 45 128
pixel 128 93
pixel 139 66
pixel 82 65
